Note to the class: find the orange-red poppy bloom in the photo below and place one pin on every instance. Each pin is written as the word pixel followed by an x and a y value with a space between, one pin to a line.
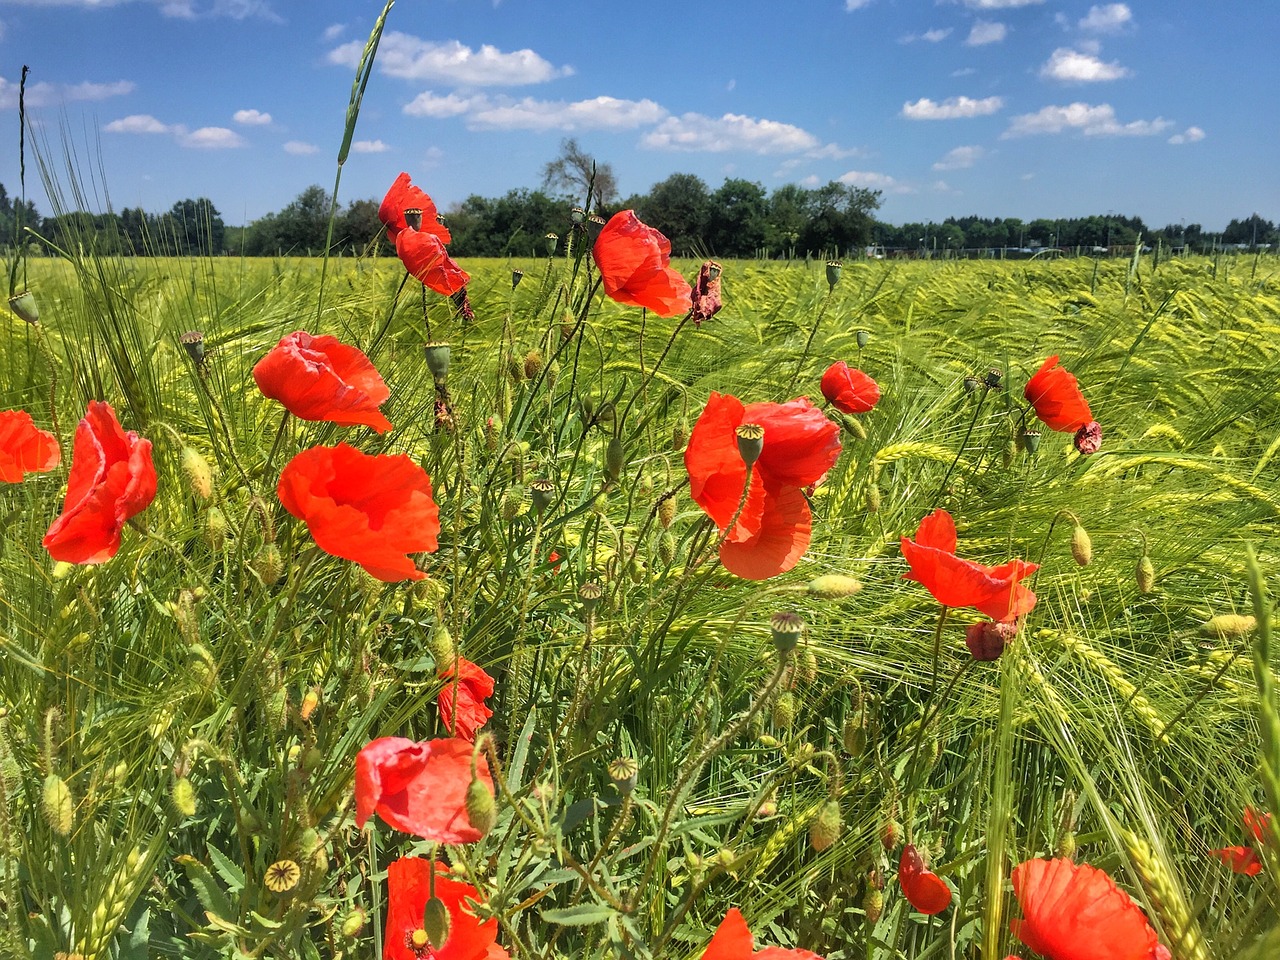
pixel 322 378
pixel 1056 398
pixel 849 389
pixel 372 509
pixel 1258 825
pixel 995 591
pixel 467 696
pixel 112 479
pixel 1240 859
pixel 409 889
pixel 733 941
pixel 1072 911
pixel 635 263
pixel 403 196
pixel 24 447
pixel 420 788
pixel 773 529
pixel 424 256
pixel 924 889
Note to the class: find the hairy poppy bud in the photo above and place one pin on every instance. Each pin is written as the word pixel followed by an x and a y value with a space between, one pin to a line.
pixel 216 529
pixel 492 432
pixel 615 458
pixel 515 368
pixel 199 473
pixel 268 564
pixel 750 442
pixel 59 809
pixel 667 512
pixel 853 735
pixel 1081 546
pixel 873 905
pixel 183 796
pixel 833 586
pixel 808 669
pixel 784 711
pixel 533 364
pixel 482 811
pixel 435 922
pixel 873 497
pixel 667 547
pixel 353 923
pixel 1067 845
pixel 512 501
pixel 890 834
pixel 825 828
pixel 1226 626
pixel 1146 575
pixel 679 435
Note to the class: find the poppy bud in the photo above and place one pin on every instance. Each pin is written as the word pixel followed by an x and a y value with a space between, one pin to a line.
pixel 310 701
pixel 854 427
pixel 667 547
pixel 193 342
pixel 24 305
pixel 890 834
pixel 353 923
pixel 1081 546
pixel 435 922
pixel 268 564
pixel 533 364
pixel 784 711
pixel 1067 845
pixel 833 273
pixel 615 458
pixel 624 772
pixel 853 735
pixel 863 338
pixel 825 828
pixel 1146 575
pixel 443 650
pixel 216 529
pixel 438 355
pixel 1010 453
pixel 667 512
pixel 873 497
pixel 590 593
pixel 786 628
pixel 679 435
pixel 873 905
pixel 606 412
pixel 55 800
pixel 413 218
pixel 183 796
pixel 553 241
pixel 516 277
pixel 1226 626
pixel 482 811
pixel 199 473
pixel 543 492
pixel 515 368
pixel 492 431
pixel 750 442
pixel 512 501
pixel 553 373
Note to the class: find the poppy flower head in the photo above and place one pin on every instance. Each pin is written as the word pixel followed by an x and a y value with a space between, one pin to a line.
pixel 409 884
pixel 849 389
pixel 424 256
pixel 1088 439
pixel 322 378
pixel 1056 398
pixel 706 297
pixel 24 447
pixel 924 889
pixel 1243 860
pixel 374 510
pixel 733 941
pixel 1073 911
pixel 403 196
pixel 986 641
pixel 774 524
pixel 635 264
pixel 1258 825
pixel 419 788
pixel 112 480
pixel 994 591
pixel 467 695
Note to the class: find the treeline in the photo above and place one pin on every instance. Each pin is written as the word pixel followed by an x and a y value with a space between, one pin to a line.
pixel 740 219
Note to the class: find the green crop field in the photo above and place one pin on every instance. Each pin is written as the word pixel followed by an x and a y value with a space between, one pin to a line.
pixel 179 724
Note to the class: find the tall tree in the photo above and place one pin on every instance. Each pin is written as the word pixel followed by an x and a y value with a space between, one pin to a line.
pixel 680 207
pixel 574 170
pixel 739 219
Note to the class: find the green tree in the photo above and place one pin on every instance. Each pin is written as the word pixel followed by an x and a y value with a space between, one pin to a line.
pixel 192 227
pixel 679 206
pixel 739 219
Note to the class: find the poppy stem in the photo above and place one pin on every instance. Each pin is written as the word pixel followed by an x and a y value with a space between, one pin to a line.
pixel 826 301
pixel 937 651
pixel 648 377
pixel 275 444
pixel 371 836
pixel 942 487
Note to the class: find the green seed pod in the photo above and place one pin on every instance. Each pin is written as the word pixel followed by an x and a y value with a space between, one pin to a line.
pixel 667 512
pixel 786 628
pixel 873 905
pixel 1081 546
pixel 199 473
pixel 542 492
pixel 183 796
pixel 1146 575
pixel 833 273
pixel 482 811
pixel 58 806
pixel 750 442
pixel 825 828
pixel 624 772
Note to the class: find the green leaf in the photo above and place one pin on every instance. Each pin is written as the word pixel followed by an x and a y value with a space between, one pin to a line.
pixel 227 870
pixel 211 896
pixel 582 915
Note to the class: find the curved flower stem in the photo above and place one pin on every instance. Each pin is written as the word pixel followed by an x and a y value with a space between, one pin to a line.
pixel 376 891
pixel 275 444
pixel 52 360
pixel 937 651
pixel 934 708
pixel 648 377
pixel 826 301
pixel 942 487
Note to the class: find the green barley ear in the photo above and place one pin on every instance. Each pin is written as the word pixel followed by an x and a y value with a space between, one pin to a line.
pixel 1269 713
pixel 1186 942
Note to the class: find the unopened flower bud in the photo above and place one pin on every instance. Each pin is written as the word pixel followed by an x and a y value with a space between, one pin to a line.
pixel 1081 546
pixel 492 433
pixel 825 828
pixel 533 364
pixel 443 651
pixel 199 473
pixel 1067 845
pixel 268 564
pixel 1226 626
pixel 353 923
pixel 515 368
pixel 1146 575
pixel 512 501
pixel 667 511
pixel 890 834
pixel 783 714
pixel 679 435
pixel 310 701
pixel 482 811
pixel 833 586
pixel 58 806
pixel 873 905
pixel 855 427
pixel 667 547
pixel 183 796
pixel 853 735
pixel 216 529
pixel 808 666
pixel 786 628
pixel 750 442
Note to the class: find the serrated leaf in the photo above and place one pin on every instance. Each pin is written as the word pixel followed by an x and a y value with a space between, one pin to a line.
pixel 211 896
pixel 582 915
pixel 227 870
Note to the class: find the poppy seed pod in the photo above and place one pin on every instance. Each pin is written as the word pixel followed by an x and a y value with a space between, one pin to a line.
pixel 750 442
pixel 1030 440
pixel 24 305
pixel 624 772
pixel 833 273
pixel 863 338
pixel 553 240
pixel 516 277
pixel 786 628
pixel 590 593
pixel 438 355
pixel 413 218
pixel 542 491
pixel 991 379
pixel 577 215
pixel 193 342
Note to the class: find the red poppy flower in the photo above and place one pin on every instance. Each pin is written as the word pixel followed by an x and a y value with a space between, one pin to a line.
pixel 1240 859
pixel 373 510
pixel 24 447
pixel 322 378
pixel 403 196
pixel 1056 398
pixel 849 389
pixel 112 479
pixel 409 889
pixel 705 295
pixel 1258 824
pixel 420 788
pixel 468 693
pixel 733 941
pixel 773 529
pixel 953 582
pixel 424 256
pixel 635 263
pixel 1073 911
pixel 924 889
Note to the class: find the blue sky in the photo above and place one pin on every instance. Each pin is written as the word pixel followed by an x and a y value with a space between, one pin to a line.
pixel 1027 108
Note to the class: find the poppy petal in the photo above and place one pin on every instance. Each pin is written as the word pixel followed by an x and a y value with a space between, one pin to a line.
pixel 322 378
pixel 419 788
pixel 732 939
pixel 779 542
pixel 24 447
pixel 800 442
pixel 424 256
pixel 409 886
pixel 403 196
pixel 1055 396
pixel 1243 860
pixel 467 696
pixel 634 261
pixel 849 389
pixel 924 889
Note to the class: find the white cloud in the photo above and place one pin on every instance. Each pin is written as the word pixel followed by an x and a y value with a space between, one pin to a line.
pixel 210 138
pixel 961 158
pixel 178 9
pixel 833 152
pixel 696 132
pixel 427 104
pixel 1107 18
pixel 300 149
pixel 1189 135
pixel 964 72
pixel 984 32
pixel 138 123
pixel 999 4
pixel 929 36
pixel 411 58
pixel 875 181
pixel 1073 66
pixel 953 108
pixel 1093 121
pixel 598 113
pixel 811 181
pixel 851 5
pixel 370 146
pixel 333 32
pixel 45 94
pixel 251 118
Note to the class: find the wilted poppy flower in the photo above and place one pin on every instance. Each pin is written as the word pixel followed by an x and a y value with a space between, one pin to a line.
pixel 112 479
pixel 987 640
pixel 322 378
pixel 409 889
pixel 420 788
pixel 424 256
pixel 373 510
pixel 1072 911
pixel 706 293
pixel 403 196
pixel 1056 398
pixel 468 694
pixel 800 445
pixel 995 591
pixel 924 889
pixel 733 941
pixel 1240 859
pixel 24 447
pixel 635 263
pixel 849 389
